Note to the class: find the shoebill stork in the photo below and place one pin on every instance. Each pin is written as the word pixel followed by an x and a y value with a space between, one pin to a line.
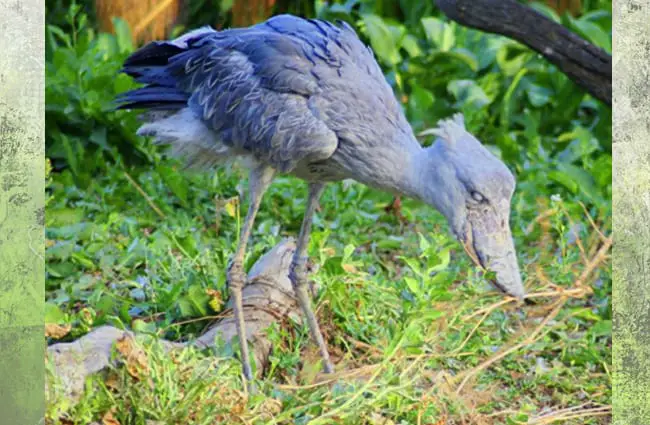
pixel 306 97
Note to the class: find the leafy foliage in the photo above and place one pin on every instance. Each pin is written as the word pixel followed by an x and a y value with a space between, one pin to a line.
pixel 134 241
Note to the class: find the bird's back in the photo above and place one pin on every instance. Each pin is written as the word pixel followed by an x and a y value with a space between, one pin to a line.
pixel 289 91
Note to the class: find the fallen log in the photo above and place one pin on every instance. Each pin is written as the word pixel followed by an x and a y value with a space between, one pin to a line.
pixel 268 298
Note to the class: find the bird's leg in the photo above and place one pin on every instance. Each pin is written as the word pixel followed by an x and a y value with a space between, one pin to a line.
pixel 259 180
pixel 298 274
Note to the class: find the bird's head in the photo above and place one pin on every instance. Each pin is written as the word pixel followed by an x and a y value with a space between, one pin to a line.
pixel 473 189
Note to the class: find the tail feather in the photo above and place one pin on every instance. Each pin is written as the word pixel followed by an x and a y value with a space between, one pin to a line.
pixel 151 65
pixel 152 97
pixel 155 53
pixel 167 119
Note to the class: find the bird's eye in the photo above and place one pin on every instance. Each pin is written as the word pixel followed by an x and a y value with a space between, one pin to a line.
pixel 478 197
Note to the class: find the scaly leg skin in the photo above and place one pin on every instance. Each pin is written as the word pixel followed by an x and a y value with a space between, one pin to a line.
pixel 298 275
pixel 259 180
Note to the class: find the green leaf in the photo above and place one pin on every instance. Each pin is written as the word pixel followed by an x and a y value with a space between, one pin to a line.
pixel 64 216
pixel 53 314
pixel 508 99
pixel 456 55
pixel 411 45
pixel 468 93
pixel 123 35
pixel 98 137
pixel 347 252
pixel 545 10
pixel 382 39
pixel 602 171
pixel 538 96
pixel 512 57
pixel 582 144
pixel 60 34
pixel 584 181
pixel 601 328
pixel 587 314
pixel 602 17
pixel 185 307
pixel 200 299
pixel 563 179
pixel 420 102
pixel 195 303
pixel 61 270
pixel 414 265
pixel 333 266
pixel 60 251
pixel 593 33
pixel 438 261
pixel 424 243
pixel 122 83
pixel 439 33
pixel 413 285
pixel 390 243
pixel 430 315
pixel 141 326
pixel 83 261
pixel 176 182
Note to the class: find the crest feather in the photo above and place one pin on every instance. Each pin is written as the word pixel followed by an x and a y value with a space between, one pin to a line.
pixel 449 129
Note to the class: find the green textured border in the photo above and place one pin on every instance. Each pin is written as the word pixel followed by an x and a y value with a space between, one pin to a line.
pixel 631 201
pixel 21 212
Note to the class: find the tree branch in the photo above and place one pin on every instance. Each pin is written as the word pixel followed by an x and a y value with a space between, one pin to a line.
pixel 587 65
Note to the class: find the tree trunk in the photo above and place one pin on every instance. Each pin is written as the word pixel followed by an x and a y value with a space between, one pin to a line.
pixel 588 66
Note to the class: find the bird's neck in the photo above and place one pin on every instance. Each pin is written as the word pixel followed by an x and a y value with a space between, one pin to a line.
pixel 405 169
pixel 418 173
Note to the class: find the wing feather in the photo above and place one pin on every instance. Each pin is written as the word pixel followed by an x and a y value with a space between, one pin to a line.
pixel 286 90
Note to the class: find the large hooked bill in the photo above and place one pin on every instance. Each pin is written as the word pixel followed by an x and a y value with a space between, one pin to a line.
pixel 488 243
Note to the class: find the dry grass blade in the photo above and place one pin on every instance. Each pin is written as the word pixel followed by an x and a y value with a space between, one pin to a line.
pixel 332 378
pixel 144 195
pixel 593 223
pixel 474 329
pixel 599 258
pixel 541 218
pixel 570 413
pixel 561 292
pixel 489 308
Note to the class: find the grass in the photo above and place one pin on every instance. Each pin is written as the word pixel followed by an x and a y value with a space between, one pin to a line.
pixel 417 334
